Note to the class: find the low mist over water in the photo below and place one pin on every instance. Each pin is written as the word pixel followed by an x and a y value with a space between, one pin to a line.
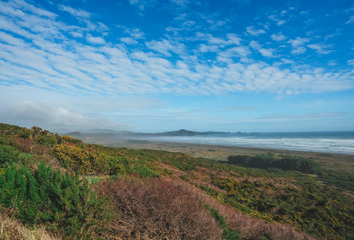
pixel 331 142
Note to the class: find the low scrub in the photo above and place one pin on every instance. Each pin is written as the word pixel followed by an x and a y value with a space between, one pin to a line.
pixel 158 209
pixel 285 163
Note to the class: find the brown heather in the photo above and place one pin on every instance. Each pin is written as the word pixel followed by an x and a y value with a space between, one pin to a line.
pixel 158 209
pixel 249 228
pixel 167 208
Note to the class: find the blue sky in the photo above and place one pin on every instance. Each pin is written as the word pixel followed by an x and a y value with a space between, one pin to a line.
pixel 148 65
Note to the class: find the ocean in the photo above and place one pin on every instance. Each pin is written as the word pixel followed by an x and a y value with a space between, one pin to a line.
pixel 329 142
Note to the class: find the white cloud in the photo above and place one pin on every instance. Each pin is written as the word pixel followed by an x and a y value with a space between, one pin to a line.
pixel 135 32
pixel 251 30
pixel 142 4
pixel 208 48
pixel 298 50
pixel 351 20
pixel 95 40
pixel 298 41
pixel 277 20
pixel 75 12
pixel 267 52
pixel 165 47
pixel 232 39
pixel 332 35
pixel 278 37
pixel 40 114
pixel 235 52
pixel 350 62
pixel 35 54
pixel 129 40
pixel 287 61
pixel 263 51
pixel 320 48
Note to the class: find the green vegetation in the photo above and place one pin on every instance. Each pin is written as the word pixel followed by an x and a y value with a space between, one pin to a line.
pixel 314 205
pixel 88 191
pixel 267 161
pixel 62 201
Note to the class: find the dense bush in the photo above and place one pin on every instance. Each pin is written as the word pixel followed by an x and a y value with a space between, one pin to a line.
pixel 8 154
pixel 89 161
pixel 285 163
pixel 47 197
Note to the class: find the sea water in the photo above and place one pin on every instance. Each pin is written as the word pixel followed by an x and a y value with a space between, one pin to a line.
pixel 330 142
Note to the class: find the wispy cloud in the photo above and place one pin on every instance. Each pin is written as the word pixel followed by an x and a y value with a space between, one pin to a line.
pixel 166 47
pixel 75 12
pixel 298 41
pixel 136 33
pixel 298 50
pixel 142 4
pixel 278 37
pixel 351 20
pixel 129 40
pixel 232 39
pixel 277 20
pixel 265 52
pixel 40 114
pixel 320 48
pixel 95 40
pixel 251 30
pixel 31 55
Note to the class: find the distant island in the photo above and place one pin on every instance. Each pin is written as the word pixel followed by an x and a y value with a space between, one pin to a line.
pixel 181 132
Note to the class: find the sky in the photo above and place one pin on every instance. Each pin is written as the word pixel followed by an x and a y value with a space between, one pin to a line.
pixel 163 65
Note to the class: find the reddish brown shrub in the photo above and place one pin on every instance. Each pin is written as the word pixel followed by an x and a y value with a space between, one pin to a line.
pixel 28 145
pixel 248 227
pixel 158 209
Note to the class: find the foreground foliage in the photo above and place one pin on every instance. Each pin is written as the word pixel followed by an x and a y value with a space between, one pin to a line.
pixel 164 195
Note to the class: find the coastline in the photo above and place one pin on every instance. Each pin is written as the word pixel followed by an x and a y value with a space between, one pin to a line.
pixel 328 161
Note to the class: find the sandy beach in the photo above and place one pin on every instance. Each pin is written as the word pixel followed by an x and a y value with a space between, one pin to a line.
pixel 334 161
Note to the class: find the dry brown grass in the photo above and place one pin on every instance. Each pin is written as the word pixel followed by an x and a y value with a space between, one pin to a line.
pixel 11 229
pixel 158 209
pixel 172 209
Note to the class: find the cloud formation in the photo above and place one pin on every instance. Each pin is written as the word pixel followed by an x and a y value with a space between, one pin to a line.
pixel 40 114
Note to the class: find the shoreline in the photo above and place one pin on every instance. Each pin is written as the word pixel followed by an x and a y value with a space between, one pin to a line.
pixel 329 161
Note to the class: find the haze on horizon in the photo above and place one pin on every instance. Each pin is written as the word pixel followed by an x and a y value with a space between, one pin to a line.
pixel 154 66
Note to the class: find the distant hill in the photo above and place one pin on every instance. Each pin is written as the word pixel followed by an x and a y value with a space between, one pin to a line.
pixel 181 132
pixel 184 132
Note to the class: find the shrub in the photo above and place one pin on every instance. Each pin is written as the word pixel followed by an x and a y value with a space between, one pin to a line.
pixel 286 163
pixel 158 209
pixel 47 197
pixel 8 154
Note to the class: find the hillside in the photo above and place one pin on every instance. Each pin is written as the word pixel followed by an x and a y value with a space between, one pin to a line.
pixel 62 188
